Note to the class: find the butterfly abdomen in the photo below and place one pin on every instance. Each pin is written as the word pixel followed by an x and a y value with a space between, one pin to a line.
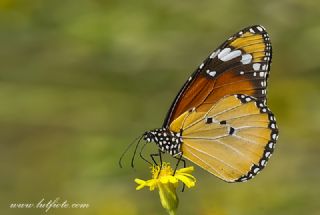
pixel 167 141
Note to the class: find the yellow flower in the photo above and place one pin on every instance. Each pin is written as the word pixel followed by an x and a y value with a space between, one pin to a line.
pixel 167 183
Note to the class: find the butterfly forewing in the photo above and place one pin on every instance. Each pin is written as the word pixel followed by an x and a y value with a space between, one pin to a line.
pixel 239 66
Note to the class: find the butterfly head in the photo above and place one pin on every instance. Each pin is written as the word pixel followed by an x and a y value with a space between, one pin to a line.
pixel 149 136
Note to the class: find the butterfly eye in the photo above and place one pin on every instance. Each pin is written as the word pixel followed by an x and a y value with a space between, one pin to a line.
pixel 148 136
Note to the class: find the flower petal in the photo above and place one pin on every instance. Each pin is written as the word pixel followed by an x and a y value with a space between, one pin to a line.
pixel 152 183
pixel 186 170
pixel 187 179
pixel 141 183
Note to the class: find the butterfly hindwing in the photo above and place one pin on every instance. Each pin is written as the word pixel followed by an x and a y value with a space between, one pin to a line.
pixel 239 66
pixel 233 139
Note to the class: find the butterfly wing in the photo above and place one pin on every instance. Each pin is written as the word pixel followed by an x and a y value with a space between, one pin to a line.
pixel 239 66
pixel 232 140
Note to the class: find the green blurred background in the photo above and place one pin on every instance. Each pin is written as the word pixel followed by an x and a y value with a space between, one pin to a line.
pixel 79 80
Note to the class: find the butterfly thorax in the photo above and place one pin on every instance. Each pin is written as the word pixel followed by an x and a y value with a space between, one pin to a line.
pixel 167 141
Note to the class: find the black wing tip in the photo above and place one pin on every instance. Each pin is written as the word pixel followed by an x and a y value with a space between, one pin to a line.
pixel 256 27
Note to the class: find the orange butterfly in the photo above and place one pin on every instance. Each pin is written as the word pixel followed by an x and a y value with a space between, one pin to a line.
pixel 219 120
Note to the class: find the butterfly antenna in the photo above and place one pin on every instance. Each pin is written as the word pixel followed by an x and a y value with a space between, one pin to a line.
pixel 128 147
pixel 141 150
pixel 135 151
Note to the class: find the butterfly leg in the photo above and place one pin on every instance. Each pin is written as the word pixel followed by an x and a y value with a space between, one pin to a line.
pixel 141 156
pixel 160 158
pixel 184 166
pixel 179 159
pixel 152 157
pixel 156 155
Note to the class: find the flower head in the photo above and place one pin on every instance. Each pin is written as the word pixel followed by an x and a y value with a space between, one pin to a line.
pixel 167 183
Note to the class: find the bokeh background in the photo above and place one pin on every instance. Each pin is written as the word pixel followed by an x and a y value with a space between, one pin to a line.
pixel 79 80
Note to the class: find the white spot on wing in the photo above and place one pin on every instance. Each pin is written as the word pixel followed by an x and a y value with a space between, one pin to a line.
pixel 264 66
pixel 274 136
pixel 231 55
pixel 271 145
pixel 214 54
pixel 268 154
pixel 211 73
pixel 256 66
pixel 246 58
pixel 259 28
pixel 224 52
pixel 201 66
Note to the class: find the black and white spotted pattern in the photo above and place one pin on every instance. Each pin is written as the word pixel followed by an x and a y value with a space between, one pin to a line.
pixel 167 141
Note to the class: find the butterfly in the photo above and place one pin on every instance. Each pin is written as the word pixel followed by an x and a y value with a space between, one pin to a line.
pixel 219 120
